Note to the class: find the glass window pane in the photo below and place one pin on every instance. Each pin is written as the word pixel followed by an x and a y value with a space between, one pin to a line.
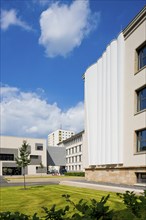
pixel 142 57
pixel 141 140
pixel 141 99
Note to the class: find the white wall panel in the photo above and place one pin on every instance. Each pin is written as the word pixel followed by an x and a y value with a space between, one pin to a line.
pixel 104 106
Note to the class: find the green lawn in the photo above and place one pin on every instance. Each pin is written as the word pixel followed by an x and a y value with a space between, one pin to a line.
pixel 31 200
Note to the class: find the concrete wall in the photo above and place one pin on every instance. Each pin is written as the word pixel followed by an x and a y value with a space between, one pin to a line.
pixel 12 144
pixel 134 80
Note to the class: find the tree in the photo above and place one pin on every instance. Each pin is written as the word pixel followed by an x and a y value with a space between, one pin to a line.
pixel 23 161
pixel 41 167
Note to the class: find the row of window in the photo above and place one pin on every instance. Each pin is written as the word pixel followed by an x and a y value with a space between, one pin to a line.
pixel 74 159
pixel 74 168
pixel 74 150
pixel 75 140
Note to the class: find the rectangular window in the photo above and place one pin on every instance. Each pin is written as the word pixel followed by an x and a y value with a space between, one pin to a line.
pixel 141 57
pixel 141 177
pixel 141 140
pixel 39 147
pixel 9 157
pixel 34 157
pixel 141 99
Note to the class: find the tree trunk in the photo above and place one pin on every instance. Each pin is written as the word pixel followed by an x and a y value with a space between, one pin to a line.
pixel 24 177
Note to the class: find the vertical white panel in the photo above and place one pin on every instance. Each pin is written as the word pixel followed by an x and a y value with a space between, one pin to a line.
pixel 114 113
pixel 108 120
pixel 104 88
pixel 99 109
pixel 103 106
pixel 120 63
pixel 91 112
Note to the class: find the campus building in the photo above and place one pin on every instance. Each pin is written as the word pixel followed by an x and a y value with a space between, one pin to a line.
pixel 115 109
pixel 75 152
pixel 9 150
pixel 58 136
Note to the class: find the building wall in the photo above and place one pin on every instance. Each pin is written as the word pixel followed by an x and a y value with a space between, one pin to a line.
pixel 134 79
pixel 104 86
pixel 112 119
pixel 58 136
pixel 74 152
pixel 11 145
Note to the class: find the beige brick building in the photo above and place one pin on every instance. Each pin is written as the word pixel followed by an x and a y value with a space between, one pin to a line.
pixel 115 108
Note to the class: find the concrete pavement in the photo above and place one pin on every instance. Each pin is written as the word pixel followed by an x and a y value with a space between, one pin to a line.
pixel 71 181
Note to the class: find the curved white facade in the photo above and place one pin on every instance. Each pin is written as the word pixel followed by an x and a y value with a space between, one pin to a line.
pixel 104 92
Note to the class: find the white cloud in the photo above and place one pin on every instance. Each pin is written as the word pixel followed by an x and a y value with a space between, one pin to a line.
pixel 27 114
pixel 63 27
pixel 9 18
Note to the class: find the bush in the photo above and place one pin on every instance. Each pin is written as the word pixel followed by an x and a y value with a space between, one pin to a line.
pixel 136 204
pixel 75 174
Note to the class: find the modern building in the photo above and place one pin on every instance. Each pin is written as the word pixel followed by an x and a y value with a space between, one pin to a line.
pixel 9 150
pixel 56 159
pixel 58 136
pixel 115 108
pixel 75 160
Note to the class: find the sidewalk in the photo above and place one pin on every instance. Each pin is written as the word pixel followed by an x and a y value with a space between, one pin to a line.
pixel 104 186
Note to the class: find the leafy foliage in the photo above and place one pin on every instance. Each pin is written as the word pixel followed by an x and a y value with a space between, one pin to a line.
pixel 75 174
pixel 53 214
pixel 23 161
pixel 136 204
pixel 94 210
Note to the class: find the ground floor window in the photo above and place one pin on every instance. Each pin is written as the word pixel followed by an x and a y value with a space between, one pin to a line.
pixel 11 171
pixel 141 177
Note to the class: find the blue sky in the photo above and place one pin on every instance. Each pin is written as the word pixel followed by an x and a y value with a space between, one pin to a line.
pixel 46 46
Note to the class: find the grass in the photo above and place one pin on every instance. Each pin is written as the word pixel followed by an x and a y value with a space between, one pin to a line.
pixel 31 200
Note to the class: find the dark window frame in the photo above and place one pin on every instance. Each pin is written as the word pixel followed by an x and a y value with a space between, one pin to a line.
pixel 141 177
pixel 6 157
pixel 141 140
pixel 141 56
pixel 141 99
pixel 34 157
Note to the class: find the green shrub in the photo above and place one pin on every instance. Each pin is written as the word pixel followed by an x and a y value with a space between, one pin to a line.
pixel 135 203
pixel 75 174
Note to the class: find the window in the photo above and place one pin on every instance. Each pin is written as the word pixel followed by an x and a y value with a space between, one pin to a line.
pixel 34 157
pixel 141 99
pixel 141 177
pixel 141 140
pixel 7 157
pixel 141 57
pixel 39 147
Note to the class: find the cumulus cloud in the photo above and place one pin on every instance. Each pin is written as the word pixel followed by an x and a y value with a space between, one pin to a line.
pixel 63 27
pixel 9 18
pixel 27 114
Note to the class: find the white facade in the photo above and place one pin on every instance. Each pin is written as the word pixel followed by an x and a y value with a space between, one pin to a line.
pixel 58 136
pixel 75 153
pixel 115 108
pixel 9 150
pixel 104 87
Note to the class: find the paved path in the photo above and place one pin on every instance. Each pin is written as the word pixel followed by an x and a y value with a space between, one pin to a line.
pixel 104 186
pixel 72 181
